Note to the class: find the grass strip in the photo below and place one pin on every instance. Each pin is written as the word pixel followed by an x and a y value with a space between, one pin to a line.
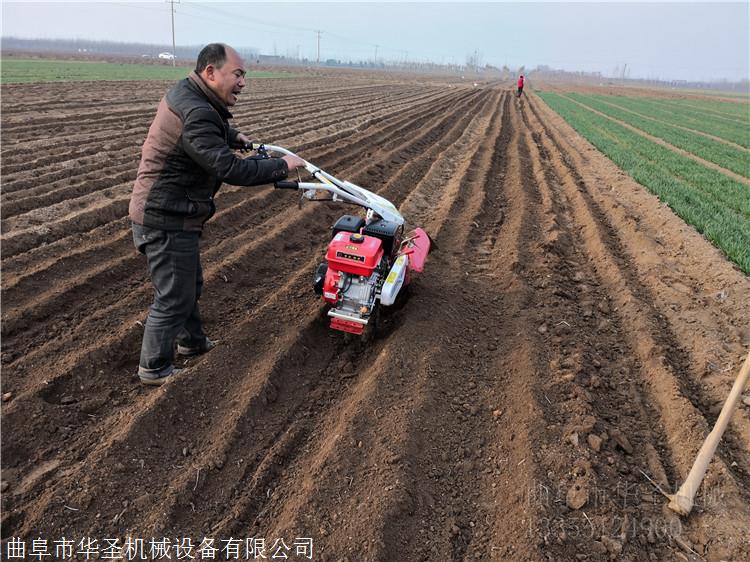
pixel 716 205
pixel 727 129
pixel 714 151
pixel 740 111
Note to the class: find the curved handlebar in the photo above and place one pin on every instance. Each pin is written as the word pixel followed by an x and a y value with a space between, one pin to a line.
pixel 340 190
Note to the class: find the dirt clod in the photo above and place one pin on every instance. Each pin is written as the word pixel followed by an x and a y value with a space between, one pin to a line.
pixel 621 440
pixel 595 442
pixel 613 546
pixel 577 495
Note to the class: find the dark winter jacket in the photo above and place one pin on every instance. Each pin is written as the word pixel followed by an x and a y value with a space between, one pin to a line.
pixel 186 157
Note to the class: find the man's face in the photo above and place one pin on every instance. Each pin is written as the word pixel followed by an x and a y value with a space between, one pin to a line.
pixel 226 82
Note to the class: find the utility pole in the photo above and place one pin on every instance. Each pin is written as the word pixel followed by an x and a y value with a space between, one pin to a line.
pixel 376 53
pixel 174 48
pixel 318 32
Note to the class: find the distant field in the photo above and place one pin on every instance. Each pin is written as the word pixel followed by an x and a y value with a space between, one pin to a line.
pixel 40 70
pixel 715 203
pixel 681 128
pixel 736 110
pixel 715 93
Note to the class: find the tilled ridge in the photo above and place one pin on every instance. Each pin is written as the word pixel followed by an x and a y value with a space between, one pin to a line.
pixel 659 387
pixel 517 405
pixel 59 391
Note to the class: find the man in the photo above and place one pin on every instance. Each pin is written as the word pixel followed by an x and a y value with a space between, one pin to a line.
pixel 520 86
pixel 186 157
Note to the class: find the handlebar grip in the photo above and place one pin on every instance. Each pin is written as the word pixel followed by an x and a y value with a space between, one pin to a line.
pixel 286 184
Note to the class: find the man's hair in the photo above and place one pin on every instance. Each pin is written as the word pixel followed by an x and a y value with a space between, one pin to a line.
pixel 214 53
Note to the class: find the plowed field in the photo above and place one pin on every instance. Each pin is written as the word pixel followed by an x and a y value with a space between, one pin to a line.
pixel 569 338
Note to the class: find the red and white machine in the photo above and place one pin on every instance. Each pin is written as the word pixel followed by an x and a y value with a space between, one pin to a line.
pixel 369 260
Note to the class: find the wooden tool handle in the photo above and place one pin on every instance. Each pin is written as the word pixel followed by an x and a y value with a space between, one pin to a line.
pixel 682 501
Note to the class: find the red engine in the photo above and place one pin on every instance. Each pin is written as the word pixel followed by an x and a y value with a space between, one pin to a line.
pixel 351 253
pixel 366 266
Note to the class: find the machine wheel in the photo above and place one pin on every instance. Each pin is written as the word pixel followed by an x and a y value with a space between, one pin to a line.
pixel 401 298
pixel 374 328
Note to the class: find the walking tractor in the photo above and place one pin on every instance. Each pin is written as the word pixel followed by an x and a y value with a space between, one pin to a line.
pixel 369 261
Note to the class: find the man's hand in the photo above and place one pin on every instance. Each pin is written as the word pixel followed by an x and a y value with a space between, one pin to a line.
pixel 243 142
pixel 293 162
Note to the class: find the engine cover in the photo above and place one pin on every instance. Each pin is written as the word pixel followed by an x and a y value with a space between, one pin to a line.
pixel 354 253
pixel 388 232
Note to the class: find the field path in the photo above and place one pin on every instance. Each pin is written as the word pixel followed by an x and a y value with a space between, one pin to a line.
pixel 569 337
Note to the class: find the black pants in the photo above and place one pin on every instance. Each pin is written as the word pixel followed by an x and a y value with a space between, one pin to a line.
pixel 520 91
pixel 174 262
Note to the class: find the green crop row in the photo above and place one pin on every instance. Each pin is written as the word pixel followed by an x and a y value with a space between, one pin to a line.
pixel 716 205
pixel 726 128
pixel 711 93
pixel 724 155
pixel 734 110
pixel 40 70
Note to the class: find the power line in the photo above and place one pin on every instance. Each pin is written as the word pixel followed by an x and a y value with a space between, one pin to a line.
pixel 155 8
pixel 252 20
pixel 211 13
pixel 233 17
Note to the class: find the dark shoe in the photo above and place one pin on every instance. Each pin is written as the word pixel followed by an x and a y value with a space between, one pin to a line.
pixel 189 351
pixel 156 377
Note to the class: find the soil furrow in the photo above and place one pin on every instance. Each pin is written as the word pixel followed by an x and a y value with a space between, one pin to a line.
pixel 569 338
pixel 674 355
pixel 32 177
pixel 611 436
pixel 660 359
pixel 25 318
pixel 60 390
pixel 78 221
pixel 114 273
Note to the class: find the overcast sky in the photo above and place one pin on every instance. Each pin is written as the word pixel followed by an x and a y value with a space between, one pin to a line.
pixel 693 41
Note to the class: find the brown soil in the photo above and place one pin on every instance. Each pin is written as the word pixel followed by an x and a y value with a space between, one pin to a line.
pixel 570 337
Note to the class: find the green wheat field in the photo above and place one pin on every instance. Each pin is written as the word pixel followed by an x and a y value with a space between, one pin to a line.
pixel 41 70
pixel 715 202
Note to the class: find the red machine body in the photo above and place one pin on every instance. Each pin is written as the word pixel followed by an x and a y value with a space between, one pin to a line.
pixel 368 261
pixel 352 253
pixel 417 247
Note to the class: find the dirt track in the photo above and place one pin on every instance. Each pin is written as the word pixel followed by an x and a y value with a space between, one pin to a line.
pixel 569 335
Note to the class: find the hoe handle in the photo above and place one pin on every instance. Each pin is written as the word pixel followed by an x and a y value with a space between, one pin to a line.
pixel 682 501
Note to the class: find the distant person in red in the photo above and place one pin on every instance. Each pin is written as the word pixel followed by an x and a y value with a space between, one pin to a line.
pixel 520 86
